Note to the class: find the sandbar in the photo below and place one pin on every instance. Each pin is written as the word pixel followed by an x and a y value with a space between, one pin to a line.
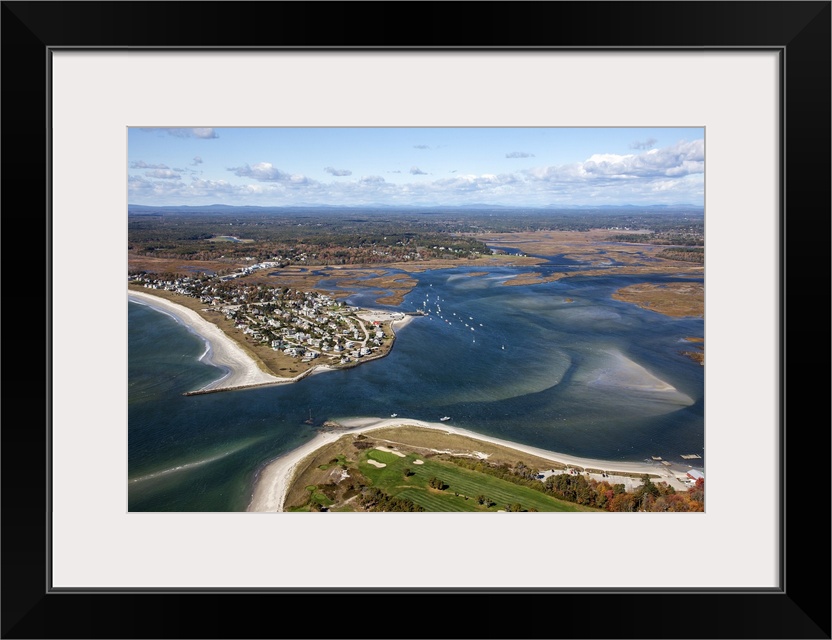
pixel 273 481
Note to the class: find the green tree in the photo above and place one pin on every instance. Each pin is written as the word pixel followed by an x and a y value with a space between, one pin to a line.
pixel 436 483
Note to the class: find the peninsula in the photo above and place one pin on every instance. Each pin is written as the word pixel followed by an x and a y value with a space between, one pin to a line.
pixel 271 338
pixel 322 466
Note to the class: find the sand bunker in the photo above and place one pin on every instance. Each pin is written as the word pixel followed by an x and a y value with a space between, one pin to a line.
pixel 418 462
pixel 376 463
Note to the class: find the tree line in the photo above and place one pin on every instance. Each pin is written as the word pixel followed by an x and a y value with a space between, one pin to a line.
pixel 578 489
pixel 379 237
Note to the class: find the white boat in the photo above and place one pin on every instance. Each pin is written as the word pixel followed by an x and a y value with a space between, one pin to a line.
pixel 445 419
pixel 393 415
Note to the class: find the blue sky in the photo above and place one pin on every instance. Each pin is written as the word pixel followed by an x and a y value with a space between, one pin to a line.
pixel 416 166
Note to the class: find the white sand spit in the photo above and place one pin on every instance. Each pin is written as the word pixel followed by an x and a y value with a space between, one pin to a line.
pixel 222 351
pixel 274 480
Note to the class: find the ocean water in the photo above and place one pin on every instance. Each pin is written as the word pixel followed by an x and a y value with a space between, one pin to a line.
pixel 559 365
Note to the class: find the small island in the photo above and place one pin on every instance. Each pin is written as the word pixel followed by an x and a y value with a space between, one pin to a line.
pixel 674 299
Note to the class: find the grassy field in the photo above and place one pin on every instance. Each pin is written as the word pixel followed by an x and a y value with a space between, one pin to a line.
pixel 332 476
pixel 420 439
pixel 462 486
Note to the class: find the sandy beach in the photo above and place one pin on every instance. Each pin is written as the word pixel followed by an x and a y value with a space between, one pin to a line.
pixel 221 351
pixel 241 370
pixel 275 478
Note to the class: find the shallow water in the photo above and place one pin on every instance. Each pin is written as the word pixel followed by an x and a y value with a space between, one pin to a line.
pixel 593 377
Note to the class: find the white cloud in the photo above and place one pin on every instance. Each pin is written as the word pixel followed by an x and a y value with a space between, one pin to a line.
pixel 519 154
pixel 683 158
pixel 180 132
pixel 338 172
pixel 266 172
pixel 141 164
pixel 643 144
pixel 674 174
pixel 678 160
pixel 204 133
pixel 163 174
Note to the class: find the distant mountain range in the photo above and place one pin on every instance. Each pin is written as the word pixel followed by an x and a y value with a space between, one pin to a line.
pixel 226 208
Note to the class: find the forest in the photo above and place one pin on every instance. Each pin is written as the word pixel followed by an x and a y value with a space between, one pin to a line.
pixel 375 236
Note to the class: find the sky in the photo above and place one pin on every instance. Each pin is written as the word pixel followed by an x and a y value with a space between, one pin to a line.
pixel 427 166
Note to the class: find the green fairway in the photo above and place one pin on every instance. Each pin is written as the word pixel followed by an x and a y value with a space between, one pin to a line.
pixel 436 502
pixel 465 482
pixel 383 456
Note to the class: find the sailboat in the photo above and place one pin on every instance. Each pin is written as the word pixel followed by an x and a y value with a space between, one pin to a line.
pixel 309 420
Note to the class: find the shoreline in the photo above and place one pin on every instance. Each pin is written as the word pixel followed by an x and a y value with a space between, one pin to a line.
pixel 241 370
pixel 274 478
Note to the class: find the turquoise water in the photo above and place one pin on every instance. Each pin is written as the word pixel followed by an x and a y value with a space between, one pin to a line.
pixel 592 377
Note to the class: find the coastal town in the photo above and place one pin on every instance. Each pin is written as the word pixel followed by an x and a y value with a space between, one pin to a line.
pixel 304 326
pixel 554 284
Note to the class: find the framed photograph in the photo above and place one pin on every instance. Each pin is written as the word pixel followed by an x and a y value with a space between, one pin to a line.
pixel 91 87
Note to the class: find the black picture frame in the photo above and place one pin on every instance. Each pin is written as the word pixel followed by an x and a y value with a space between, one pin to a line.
pixel 799 31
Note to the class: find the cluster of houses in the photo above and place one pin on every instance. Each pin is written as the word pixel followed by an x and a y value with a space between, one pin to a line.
pixel 269 264
pixel 302 325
